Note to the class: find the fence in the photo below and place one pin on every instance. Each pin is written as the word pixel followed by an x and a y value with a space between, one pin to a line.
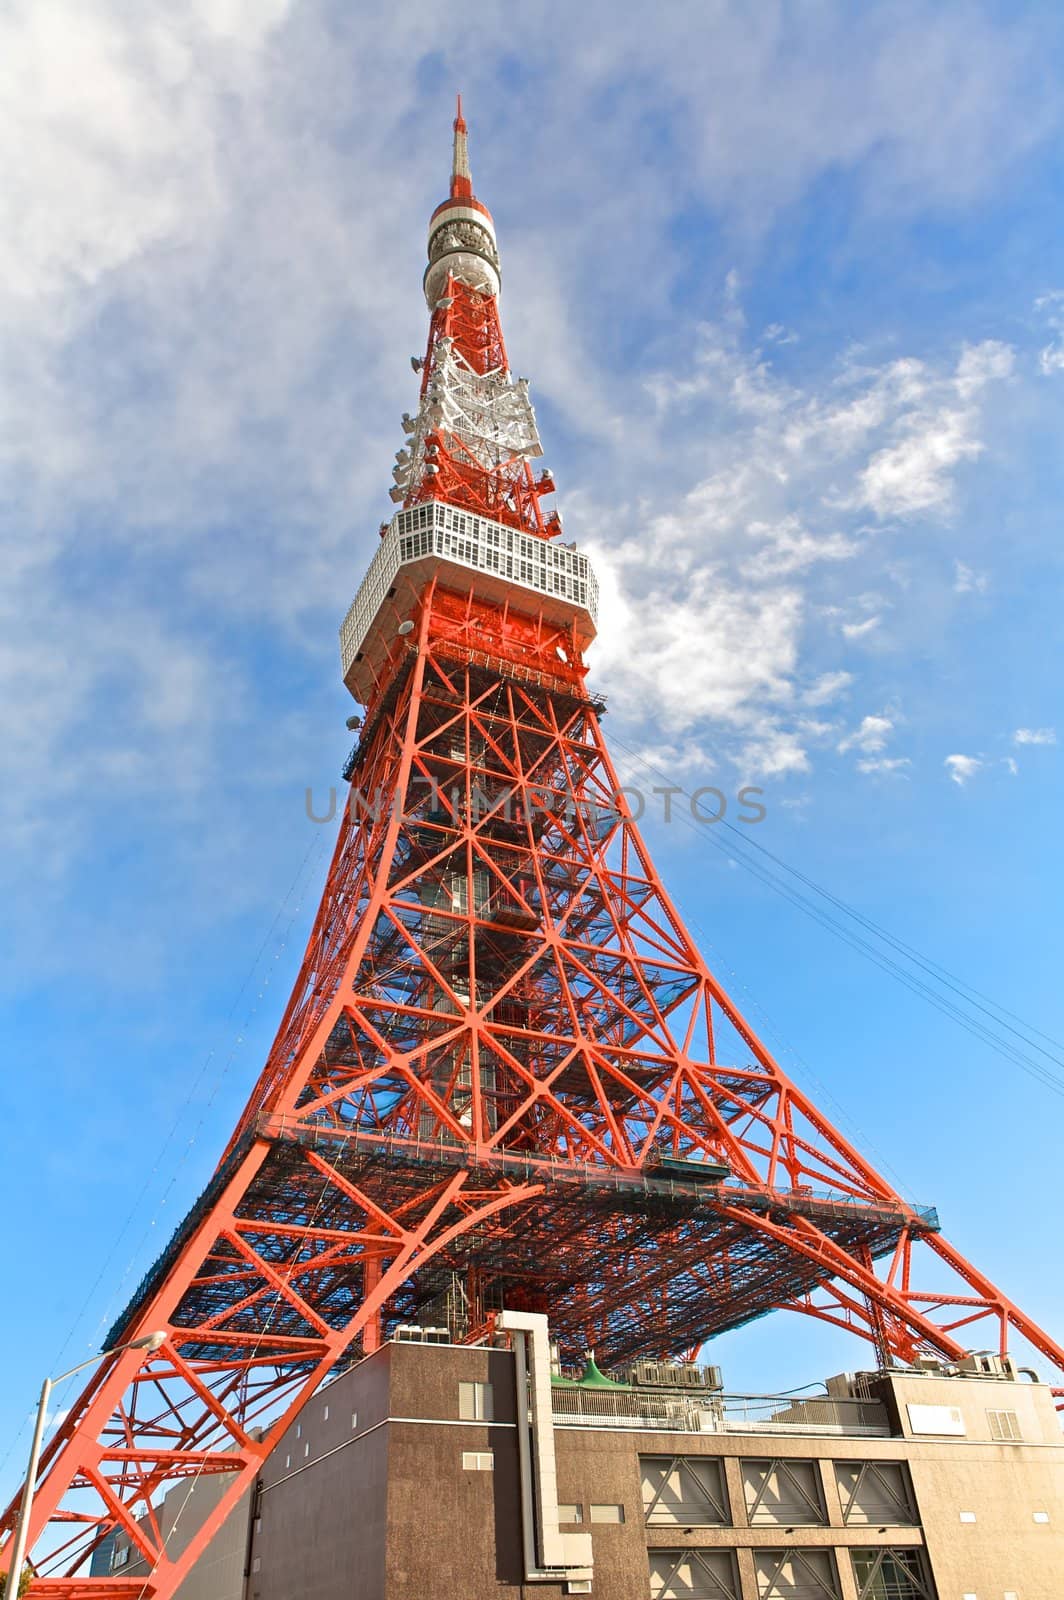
pixel 578 1407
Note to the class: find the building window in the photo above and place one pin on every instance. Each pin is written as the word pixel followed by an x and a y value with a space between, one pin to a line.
pixel 1040 1516
pixel 569 1513
pixel 967 1516
pixel 478 1460
pixel 685 1491
pixel 891 1575
pixel 874 1492
pixel 782 1493
pixel 607 1513
pixel 1004 1425
pixel 693 1575
pixel 119 1556
pixel 474 1402
pixel 325 1413
pixel 797 1575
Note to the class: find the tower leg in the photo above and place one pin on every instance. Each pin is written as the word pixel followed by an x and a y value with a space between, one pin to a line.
pixel 246 1348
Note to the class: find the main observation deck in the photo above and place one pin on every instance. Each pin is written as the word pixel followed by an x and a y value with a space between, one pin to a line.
pixel 470 554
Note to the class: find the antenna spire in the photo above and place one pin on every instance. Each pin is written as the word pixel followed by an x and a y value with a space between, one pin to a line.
pixel 461 183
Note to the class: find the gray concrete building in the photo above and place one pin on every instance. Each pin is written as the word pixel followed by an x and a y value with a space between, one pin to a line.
pixel 415 1475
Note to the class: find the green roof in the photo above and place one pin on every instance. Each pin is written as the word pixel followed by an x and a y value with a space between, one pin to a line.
pixel 592 1378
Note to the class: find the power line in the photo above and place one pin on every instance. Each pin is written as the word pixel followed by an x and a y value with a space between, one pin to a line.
pixel 966 993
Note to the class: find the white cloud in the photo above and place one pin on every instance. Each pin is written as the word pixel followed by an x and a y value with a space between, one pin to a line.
pixel 771 752
pixel 860 630
pixel 209 260
pixel 827 687
pixel 788 548
pixel 1012 766
pixel 981 364
pixel 780 467
pixel 915 474
pixel 936 434
pixel 966 580
pixel 1051 357
pixel 812 728
pixel 870 737
pixel 885 765
pixel 713 652
pixel 963 768
pixel 1035 736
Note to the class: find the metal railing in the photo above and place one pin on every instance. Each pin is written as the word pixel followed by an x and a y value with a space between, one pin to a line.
pixel 578 1407
pixel 745 1413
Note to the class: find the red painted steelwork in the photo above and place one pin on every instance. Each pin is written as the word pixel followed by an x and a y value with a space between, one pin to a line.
pixel 511 492
pixel 504 1064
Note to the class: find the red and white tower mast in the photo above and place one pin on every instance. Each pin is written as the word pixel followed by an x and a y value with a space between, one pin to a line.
pixel 506 1075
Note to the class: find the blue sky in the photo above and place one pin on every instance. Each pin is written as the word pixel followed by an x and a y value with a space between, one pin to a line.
pixel 789 286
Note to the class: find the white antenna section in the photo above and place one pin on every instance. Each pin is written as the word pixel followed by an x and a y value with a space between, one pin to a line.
pixel 486 417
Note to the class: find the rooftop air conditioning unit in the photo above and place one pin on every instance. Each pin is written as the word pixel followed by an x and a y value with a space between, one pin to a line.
pixel 986 1364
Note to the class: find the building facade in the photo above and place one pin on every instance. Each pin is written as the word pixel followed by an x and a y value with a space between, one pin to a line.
pixel 403 1480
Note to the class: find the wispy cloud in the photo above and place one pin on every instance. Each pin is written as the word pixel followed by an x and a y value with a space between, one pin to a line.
pixel 730 561
pixel 885 766
pixel 963 768
pixel 966 580
pixel 870 737
pixel 937 430
pixel 860 630
pixel 1051 356
pixel 206 316
pixel 828 687
pixel 1035 736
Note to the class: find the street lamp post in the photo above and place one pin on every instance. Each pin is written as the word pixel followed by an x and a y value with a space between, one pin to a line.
pixel 150 1342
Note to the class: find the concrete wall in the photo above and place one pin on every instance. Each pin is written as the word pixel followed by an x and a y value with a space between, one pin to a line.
pixel 219 1573
pixel 320 1528
pixel 367 1496
pixel 452 1531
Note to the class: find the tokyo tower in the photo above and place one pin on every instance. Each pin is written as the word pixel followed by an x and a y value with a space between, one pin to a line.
pixel 505 1077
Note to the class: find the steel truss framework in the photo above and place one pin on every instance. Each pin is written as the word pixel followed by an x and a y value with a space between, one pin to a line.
pixel 475 437
pixel 504 1066
pixel 501 1049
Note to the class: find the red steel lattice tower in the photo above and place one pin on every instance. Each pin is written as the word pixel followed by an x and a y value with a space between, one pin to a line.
pixel 506 1074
